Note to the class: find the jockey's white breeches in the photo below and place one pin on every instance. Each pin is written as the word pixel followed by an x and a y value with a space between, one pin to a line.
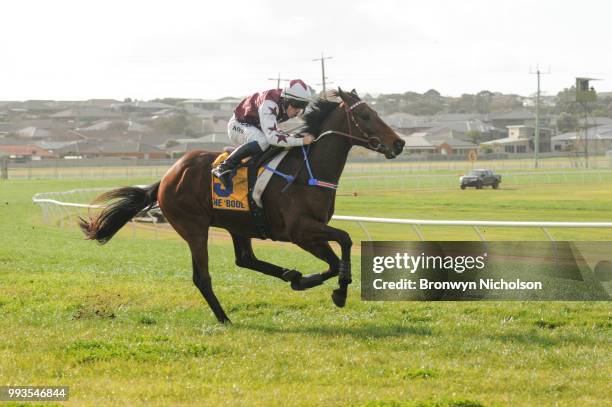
pixel 240 133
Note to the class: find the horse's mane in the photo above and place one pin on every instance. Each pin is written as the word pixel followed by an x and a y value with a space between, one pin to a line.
pixel 315 115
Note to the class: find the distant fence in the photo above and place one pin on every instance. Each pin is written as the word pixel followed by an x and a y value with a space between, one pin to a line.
pixel 377 179
pixel 88 168
pixel 117 168
pixel 55 207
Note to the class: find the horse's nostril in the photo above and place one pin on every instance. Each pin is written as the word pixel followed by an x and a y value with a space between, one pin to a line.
pixel 398 146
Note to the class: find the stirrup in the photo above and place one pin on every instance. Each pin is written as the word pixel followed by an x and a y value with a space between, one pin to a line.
pixel 225 177
pixel 217 172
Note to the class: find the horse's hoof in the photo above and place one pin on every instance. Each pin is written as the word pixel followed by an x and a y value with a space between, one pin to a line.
pixel 306 282
pixel 339 298
pixel 296 285
pixel 291 275
pixel 225 321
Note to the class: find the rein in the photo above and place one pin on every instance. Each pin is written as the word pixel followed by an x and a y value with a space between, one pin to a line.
pixel 311 179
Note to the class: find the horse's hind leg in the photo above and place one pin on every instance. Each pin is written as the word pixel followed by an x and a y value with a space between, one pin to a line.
pixel 245 257
pixel 201 277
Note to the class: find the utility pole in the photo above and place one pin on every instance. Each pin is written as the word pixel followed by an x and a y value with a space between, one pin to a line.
pixel 278 80
pixel 536 143
pixel 584 95
pixel 586 134
pixel 323 77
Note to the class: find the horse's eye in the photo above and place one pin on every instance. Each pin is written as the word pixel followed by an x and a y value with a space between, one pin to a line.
pixel 364 116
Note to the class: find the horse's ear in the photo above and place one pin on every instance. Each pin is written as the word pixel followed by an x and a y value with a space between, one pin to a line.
pixel 342 95
pixel 354 93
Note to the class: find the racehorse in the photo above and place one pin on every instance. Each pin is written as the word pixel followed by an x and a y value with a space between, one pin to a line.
pixel 298 212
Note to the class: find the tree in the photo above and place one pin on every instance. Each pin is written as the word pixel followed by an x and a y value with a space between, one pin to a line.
pixel 174 124
pixel 169 101
pixel 566 102
pixel 464 104
pixel 474 136
pixel 432 94
pixel 482 101
pixel 567 122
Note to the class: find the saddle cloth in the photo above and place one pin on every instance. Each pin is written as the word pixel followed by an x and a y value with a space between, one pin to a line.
pixel 234 197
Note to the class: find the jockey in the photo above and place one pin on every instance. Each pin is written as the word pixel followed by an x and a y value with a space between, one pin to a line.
pixel 254 124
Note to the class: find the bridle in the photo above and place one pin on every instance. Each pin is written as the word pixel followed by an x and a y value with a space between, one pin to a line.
pixel 372 142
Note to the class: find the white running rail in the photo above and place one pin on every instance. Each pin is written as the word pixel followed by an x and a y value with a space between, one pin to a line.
pixel 47 201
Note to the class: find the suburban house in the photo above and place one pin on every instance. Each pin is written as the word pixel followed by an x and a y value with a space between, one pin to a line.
pixel 517 118
pixel 599 140
pixel 25 151
pixel 125 149
pixel 520 140
pixel 417 144
pixel 227 104
pixel 140 107
pixel 85 114
pixel 454 147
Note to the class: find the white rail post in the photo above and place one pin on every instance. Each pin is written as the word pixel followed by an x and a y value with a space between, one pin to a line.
pixel 418 232
pixel 480 235
pixel 365 231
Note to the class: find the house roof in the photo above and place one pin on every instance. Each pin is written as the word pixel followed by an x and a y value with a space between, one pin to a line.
pixel 593 133
pixel 506 140
pixel 400 120
pixel 14 141
pixel 220 137
pixel 42 105
pixel 25 150
pixel 457 143
pixel 514 115
pixel 142 105
pixel 8 127
pixel 127 125
pixel 101 147
pixel 53 145
pixel 101 103
pixel 33 132
pixel 85 112
pixel 456 117
pixel 599 121
pixel 183 148
pixel 417 141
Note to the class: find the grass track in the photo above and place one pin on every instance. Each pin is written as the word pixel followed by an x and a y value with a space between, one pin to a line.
pixel 122 324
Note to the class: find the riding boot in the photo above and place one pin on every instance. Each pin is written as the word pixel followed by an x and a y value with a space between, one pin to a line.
pixel 226 169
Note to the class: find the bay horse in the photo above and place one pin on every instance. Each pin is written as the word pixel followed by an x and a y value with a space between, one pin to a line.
pixel 297 213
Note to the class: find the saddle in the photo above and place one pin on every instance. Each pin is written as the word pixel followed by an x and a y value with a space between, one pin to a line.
pixel 242 194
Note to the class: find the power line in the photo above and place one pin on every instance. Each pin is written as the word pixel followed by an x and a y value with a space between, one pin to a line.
pixel 278 80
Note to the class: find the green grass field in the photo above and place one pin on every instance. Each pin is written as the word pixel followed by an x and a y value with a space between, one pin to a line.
pixel 122 324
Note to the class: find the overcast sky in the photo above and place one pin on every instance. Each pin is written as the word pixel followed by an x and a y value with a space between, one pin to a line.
pixel 71 50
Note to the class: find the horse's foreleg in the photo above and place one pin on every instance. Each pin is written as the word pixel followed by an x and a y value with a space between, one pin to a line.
pixel 245 257
pixel 310 231
pixel 201 277
pixel 324 252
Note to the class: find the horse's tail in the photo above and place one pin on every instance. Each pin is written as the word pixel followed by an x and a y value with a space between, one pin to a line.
pixel 131 201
